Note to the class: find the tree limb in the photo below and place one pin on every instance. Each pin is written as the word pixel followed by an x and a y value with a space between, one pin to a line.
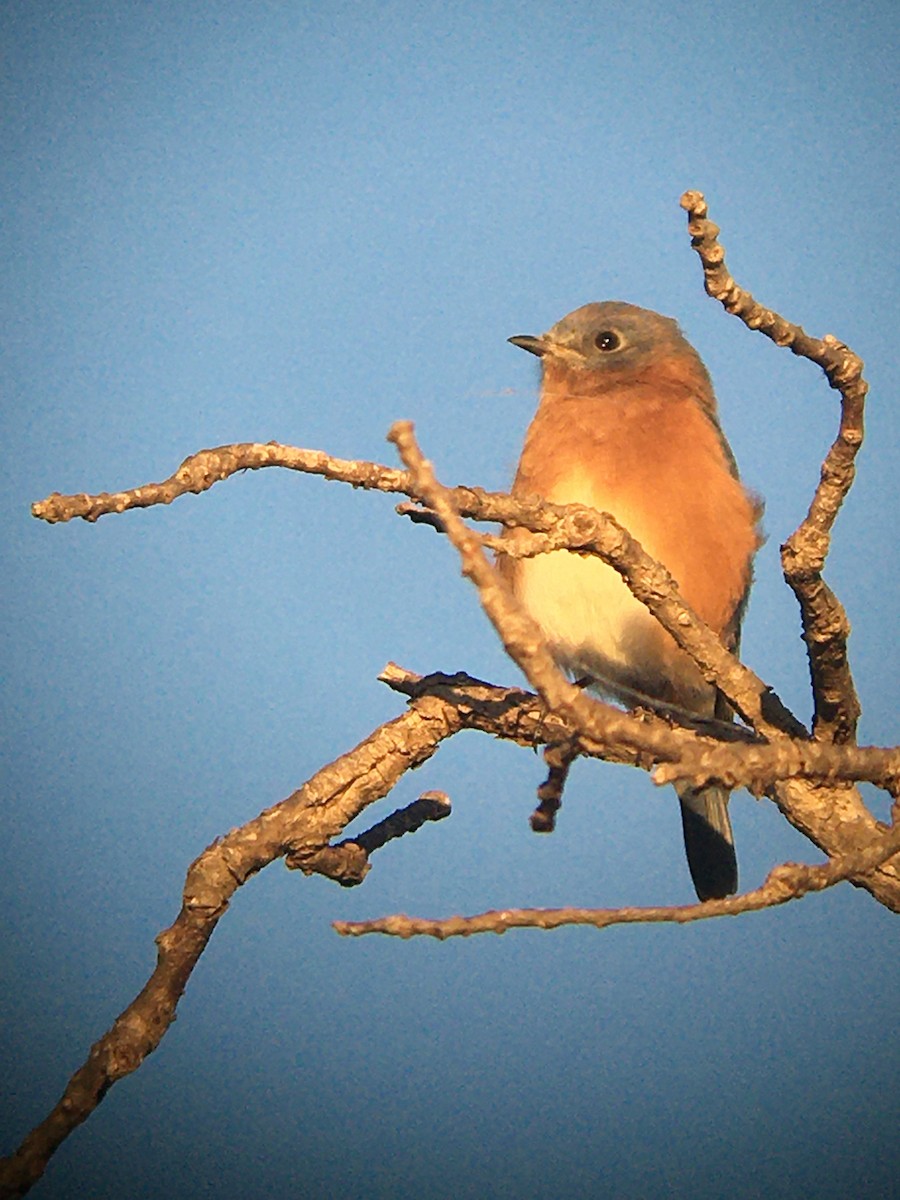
pixel 810 780
pixel 301 825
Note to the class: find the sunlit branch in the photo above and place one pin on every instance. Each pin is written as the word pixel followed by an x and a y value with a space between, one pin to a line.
pixel 789 881
pixel 825 624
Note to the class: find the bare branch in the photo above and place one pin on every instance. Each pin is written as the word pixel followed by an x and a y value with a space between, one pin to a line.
pixel 348 863
pixel 572 526
pixel 559 758
pixel 825 624
pixel 200 471
pixel 757 767
pixel 580 528
pixel 519 633
pixel 735 756
pixel 577 527
pixel 837 828
pixel 809 780
pixel 300 825
pixel 789 881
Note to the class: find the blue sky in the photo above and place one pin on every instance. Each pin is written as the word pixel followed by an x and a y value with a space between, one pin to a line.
pixel 301 222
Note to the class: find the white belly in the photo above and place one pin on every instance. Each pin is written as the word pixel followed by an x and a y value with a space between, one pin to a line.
pixel 592 623
pixel 594 626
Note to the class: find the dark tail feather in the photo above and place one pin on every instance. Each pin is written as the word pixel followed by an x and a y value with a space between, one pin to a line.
pixel 709 841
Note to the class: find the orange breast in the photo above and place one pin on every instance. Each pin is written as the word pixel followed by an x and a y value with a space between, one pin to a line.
pixel 656 462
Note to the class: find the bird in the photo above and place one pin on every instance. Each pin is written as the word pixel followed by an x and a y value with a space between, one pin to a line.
pixel 628 424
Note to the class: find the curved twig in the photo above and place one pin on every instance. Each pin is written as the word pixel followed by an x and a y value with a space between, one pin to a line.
pixel 825 624
pixel 789 881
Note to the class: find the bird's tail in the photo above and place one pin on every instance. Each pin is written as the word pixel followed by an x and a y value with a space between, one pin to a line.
pixel 708 840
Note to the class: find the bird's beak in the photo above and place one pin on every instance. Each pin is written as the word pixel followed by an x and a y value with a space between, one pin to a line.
pixel 534 345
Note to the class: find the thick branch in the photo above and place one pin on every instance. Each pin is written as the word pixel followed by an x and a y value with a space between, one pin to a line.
pixel 300 825
pixel 757 767
pixel 734 756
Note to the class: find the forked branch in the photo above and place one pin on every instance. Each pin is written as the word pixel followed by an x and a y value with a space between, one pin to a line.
pixel 810 780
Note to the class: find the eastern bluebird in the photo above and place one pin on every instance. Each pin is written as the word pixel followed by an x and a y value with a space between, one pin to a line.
pixel 628 424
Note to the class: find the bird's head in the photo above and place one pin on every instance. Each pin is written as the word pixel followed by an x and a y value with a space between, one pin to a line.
pixel 612 341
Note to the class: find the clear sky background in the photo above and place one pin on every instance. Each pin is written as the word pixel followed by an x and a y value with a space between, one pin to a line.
pixel 301 222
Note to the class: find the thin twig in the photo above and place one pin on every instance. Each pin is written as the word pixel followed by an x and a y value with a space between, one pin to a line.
pixel 825 624
pixel 572 526
pixel 202 470
pixel 789 881
pixel 348 862
pixel 558 757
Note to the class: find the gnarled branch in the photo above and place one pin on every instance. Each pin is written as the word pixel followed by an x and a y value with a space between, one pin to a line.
pixel 810 780
pixel 825 624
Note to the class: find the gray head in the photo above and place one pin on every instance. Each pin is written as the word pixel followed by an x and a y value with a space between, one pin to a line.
pixel 611 337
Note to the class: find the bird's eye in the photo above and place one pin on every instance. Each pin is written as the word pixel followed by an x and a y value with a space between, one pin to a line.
pixel 607 340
